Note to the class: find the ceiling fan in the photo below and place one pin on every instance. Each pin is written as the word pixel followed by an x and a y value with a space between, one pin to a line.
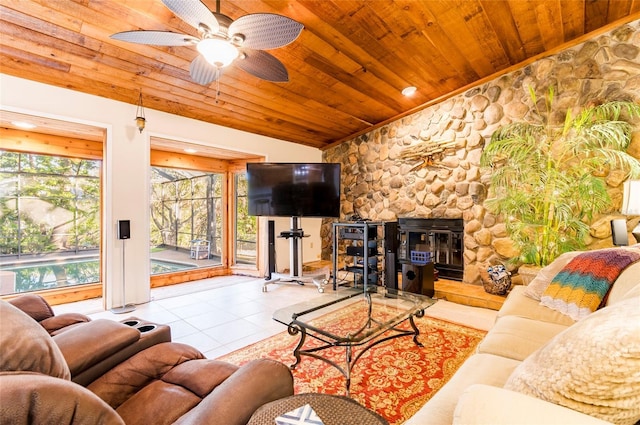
pixel 224 41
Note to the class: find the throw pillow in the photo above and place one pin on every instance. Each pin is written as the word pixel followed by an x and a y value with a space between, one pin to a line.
pixel 582 286
pixel 592 367
pixel 625 284
pixel 539 284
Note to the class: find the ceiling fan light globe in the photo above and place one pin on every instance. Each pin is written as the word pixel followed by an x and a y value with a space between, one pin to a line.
pixel 217 52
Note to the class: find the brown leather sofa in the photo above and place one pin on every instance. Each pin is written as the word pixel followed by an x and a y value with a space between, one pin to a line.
pixel 163 384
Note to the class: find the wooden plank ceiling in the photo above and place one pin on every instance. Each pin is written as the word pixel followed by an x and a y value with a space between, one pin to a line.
pixel 346 69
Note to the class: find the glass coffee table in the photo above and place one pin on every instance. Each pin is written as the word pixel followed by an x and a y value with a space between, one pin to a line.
pixel 354 318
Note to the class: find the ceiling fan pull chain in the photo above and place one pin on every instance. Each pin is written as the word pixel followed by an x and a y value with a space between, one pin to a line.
pixel 217 84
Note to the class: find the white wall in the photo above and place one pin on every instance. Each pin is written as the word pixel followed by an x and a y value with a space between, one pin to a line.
pixel 126 171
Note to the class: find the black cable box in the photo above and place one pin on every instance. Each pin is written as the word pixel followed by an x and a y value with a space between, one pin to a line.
pixel 358 251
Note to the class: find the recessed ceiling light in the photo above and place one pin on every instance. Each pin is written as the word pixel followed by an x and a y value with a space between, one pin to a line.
pixel 190 150
pixel 23 124
pixel 409 91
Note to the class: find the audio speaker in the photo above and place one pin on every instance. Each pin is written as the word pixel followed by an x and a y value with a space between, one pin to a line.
pixel 391 236
pixel 124 229
pixel 418 279
pixel 271 250
pixel 390 270
pixel 391 243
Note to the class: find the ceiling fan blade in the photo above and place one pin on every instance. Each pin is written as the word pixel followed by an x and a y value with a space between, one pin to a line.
pixel 194 13
pixel 202 72
pixel 263 31
pixel 158 38
pixel 263 65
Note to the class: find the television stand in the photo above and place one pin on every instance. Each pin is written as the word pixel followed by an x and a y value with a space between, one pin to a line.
pixel 294 235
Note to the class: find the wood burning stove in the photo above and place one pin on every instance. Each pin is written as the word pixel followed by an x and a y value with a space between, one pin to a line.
pixel 441 238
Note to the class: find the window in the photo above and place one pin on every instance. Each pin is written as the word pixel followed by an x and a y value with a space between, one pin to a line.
pixel 187 218
pixel 49 221
pixel 199 222
pixel 246 228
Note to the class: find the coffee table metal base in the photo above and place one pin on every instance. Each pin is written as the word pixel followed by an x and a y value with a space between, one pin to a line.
pixel 350 359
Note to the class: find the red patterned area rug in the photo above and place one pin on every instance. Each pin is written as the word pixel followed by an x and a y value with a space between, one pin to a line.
pixel 394 378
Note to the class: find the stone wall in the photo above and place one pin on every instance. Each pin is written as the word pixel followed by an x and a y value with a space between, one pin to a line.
pixel 378 184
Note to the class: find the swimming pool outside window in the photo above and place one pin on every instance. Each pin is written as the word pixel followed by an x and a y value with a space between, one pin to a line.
pixel 49 211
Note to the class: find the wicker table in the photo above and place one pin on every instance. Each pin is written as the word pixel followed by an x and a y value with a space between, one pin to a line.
pixel 333 410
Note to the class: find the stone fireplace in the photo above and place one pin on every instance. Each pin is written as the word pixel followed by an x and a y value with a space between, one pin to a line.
pixel 441 238
pixel 379 185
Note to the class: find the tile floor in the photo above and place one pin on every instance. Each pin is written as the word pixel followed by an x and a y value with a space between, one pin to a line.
pixel 222 314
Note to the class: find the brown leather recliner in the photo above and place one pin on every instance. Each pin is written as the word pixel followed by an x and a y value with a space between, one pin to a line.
pixel 40 310
pixel 82 340
pixel 166 383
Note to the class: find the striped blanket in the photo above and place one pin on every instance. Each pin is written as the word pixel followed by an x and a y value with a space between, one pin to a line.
pixel 583 285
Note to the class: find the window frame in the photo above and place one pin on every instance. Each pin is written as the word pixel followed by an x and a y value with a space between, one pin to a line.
pixel 67 147
pixel 234 197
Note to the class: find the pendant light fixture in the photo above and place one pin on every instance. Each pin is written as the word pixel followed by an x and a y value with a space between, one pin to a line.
pixel 140 119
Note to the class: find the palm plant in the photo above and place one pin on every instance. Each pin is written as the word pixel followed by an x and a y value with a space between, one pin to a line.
pixel 545 177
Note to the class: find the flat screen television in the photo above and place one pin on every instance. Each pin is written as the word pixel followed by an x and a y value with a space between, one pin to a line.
pixel 279 189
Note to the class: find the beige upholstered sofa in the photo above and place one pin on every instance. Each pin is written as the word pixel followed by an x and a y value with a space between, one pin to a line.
pixel 539 366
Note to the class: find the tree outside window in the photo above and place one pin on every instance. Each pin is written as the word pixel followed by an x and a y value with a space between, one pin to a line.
pixel 49 210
